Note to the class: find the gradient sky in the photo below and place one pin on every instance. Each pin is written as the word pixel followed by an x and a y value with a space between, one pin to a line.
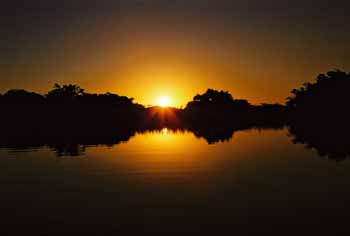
pixel 258 50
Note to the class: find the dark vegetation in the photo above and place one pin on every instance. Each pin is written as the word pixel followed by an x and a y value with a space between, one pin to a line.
pixel 319 115
pixel 68 111
pixel 67 119
pixel 219 108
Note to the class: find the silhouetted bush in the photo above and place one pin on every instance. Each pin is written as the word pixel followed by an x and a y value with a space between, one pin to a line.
pixel 324 99
pixel 216 100
pixel 319 115
pixel 21 96
pixel 219 108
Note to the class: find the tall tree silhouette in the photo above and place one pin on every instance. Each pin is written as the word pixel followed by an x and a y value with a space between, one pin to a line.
pixel 327 97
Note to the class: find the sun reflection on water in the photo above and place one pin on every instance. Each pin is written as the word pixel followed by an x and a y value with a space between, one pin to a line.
pixel 165 131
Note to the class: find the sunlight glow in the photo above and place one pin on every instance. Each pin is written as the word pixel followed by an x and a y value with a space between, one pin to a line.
pixel 165 131
pixel 164 101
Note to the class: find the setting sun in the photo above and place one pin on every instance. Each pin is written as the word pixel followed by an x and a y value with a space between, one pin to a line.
pixel 164 101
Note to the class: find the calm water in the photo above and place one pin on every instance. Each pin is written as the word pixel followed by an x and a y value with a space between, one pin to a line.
pixel 166 181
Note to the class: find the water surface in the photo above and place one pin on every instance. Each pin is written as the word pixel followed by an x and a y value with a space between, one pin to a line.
pixel 174 181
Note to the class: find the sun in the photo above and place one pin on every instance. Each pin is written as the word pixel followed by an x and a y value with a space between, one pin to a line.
pixel 164 101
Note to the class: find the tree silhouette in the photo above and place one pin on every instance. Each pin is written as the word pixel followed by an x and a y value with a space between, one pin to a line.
pixel 65 92
pixel 21 96
pixel 214 99
pixel 328 96
pixel 212 96
pixel 319 115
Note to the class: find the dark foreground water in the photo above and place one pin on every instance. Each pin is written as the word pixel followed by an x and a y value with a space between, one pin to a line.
pixel 174 182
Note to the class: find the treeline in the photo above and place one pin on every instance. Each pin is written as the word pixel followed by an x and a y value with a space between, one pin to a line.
pixel 317 115
pixel 68 95
pixel 67 110
pixel 316 101
pixel 219 107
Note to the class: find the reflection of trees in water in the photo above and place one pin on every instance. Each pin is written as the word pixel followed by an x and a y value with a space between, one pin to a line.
pixel 212 135
pixel 65 145
pixel 331 142
pixel 77 146
pixel 72 150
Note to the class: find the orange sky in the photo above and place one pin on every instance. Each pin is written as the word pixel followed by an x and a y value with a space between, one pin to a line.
pixel 148 51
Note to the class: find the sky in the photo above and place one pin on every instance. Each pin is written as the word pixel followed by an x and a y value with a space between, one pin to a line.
pixel 147 49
